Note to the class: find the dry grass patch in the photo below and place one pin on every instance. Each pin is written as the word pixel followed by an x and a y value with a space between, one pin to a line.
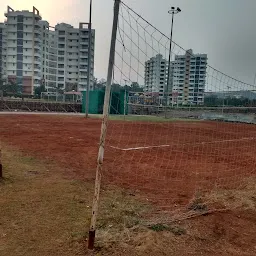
pixel 45 213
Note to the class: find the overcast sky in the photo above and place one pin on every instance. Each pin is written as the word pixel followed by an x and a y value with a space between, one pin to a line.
pixel 224 29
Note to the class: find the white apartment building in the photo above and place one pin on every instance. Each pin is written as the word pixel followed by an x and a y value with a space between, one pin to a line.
pixel 34 53
pixel 188 78
pixel 156 75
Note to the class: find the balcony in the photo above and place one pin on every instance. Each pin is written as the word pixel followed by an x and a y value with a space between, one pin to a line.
pixel 37 32
pixel 37 46
pixel 37 60
pixel 37 75
pixel 37 54
pixel 38 39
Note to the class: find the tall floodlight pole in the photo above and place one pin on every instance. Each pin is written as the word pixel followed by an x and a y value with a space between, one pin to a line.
pixel 125 81
pixel 228 93
pixel 172 12
pixel 89 63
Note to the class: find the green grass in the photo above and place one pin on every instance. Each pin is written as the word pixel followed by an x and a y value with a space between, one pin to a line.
pixel 144 118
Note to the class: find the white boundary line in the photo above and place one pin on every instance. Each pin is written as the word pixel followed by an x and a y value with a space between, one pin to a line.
pixel 137 148
pixel 200 143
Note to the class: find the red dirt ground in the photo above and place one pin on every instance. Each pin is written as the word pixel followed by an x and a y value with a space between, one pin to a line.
pixel 197 156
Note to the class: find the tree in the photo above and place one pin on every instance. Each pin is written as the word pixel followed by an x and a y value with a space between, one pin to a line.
pixel 135 87
pixel 39 90
pixel 99 84
pixel 10 88
pixel 71 87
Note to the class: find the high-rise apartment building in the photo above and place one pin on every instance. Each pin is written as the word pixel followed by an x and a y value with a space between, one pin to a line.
pixel 188 78
pixel 34 53
pixel 155 75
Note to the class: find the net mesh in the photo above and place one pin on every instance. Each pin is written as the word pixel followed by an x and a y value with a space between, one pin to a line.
pixel 208 140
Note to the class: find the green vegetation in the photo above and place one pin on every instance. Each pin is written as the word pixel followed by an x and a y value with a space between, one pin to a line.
pixel 145 118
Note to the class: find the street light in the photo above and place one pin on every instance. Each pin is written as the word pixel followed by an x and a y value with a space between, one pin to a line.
pixel 172 12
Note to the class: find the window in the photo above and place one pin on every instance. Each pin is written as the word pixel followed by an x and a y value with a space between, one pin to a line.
pixel 19 73
pixel 19 49
pixel 19 57
pixel 19 42
pixel 13 64
pixel 25 72
pixel 19 26
pixel 19 34
pixel 20 18
pixel 19 65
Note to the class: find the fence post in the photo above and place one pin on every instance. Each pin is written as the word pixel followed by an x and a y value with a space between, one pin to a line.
pixel 95 203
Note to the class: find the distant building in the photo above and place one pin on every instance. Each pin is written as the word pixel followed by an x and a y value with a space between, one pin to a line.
pixel 236 94
pixel 155 75
pixel 34 53
pixel 188 78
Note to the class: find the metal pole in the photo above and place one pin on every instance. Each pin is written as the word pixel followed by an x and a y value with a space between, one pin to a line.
pixel 223 103
pixel 168 74
pixel 89 63
pixel 124 103
pixel 125 97
pixel 103 128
